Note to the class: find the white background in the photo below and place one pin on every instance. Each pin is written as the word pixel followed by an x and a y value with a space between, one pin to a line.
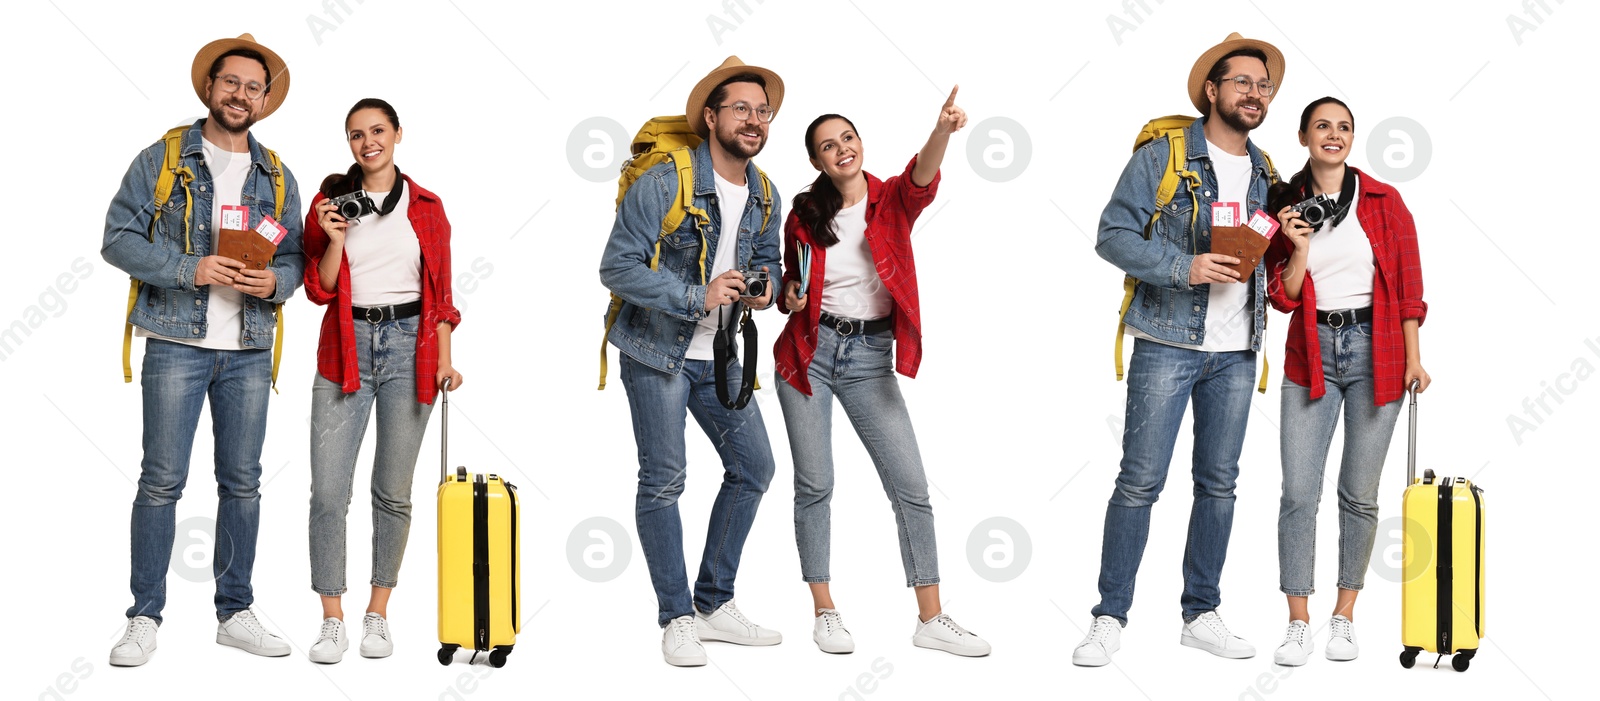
pixel 1016 408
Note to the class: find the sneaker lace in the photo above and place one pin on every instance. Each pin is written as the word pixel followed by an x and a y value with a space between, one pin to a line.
pixel 139 629
pixel 1101 630
pixel 1296 634
pixel 950 623
pixel 330 630
pixel 1342 628
pixel 737 615
pixel 248 620
pixel 373 624
pixel 683 631
pixel 1214 622
pixel 831 620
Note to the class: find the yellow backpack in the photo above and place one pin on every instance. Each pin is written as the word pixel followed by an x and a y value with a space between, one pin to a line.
pixel 1175 129
pixel 661 140
pixel 170 174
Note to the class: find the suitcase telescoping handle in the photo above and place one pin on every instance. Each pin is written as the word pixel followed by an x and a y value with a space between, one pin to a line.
pixel 444 431
pixel 1411 444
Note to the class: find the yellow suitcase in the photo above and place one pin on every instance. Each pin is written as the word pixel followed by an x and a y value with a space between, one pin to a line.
pixel 1442 596
pixel 480 585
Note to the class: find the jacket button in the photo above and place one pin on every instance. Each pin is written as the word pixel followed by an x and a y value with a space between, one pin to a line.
pixel 195 331
pixel 1193 337
pixel 1197 307
pixel 202 188
pixel 680 338
pixel 672 365
pixel 197 303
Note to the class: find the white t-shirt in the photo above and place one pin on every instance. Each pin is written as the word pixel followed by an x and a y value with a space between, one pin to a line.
pixel 731 200
pixel 385 256
pixel 851 287
pixel 225 308
pixel 1341 259
pixel 1229 322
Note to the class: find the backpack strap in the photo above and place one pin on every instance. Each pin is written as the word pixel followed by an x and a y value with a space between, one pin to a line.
pixel 279 192
pixel 169 174
pixel 1177 172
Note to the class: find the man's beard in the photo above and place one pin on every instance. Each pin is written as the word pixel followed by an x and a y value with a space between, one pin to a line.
pixel 1236 118
pixel 732 144
pixel 220 114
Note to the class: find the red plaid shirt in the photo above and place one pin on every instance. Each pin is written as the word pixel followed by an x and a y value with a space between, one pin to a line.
pixel 892 207
pixel 336 350
pixel 1396 295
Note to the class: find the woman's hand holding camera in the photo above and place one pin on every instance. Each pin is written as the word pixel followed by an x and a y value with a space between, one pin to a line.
pixel 792 298
pixel 332 224
pixel 1296 228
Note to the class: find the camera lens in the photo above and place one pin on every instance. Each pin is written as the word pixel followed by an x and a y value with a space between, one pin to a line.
pixel 756 288
pixel 1315 214
pixel 349 210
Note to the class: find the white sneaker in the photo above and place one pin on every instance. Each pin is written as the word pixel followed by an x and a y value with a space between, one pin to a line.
pixel 243 631
pixel 1209 633
pixel 138 643
pixel 1342 639
pixel 375 640
pixel 331 642
pixel 943 633
pixel 1104 638
pixel 1296 647
pixel 727 624
pixel 830 634
pixel 680 645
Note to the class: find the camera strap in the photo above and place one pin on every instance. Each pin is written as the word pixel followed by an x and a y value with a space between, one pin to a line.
pixel 724 348
pixel 1341 207
pixel 393 199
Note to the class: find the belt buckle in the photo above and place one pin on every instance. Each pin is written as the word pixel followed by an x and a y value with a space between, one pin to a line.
pixel 1339 316
pixel 369 312
pixel 843 326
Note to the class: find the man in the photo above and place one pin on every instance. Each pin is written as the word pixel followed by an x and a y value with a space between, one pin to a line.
pixel 665 334
pixel 1197 328
pixel 209 322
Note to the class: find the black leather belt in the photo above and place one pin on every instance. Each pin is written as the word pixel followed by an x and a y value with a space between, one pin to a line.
pixel 388 312
pixel 855 327
pixel 1345 317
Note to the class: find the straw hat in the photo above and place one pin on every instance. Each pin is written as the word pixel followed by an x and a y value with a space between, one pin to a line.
pixel 1197 75
pixel 200 72
pixel 729 68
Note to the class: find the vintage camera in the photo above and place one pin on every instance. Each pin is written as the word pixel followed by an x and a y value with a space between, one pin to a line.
pixel 354 206
pixel 755 282
pixel 1316 210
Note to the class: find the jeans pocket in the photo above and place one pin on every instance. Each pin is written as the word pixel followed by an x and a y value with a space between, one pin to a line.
pixel 881 341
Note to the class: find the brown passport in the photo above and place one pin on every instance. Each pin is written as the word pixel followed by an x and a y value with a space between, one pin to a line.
pixel 1241 242
pixel 254 250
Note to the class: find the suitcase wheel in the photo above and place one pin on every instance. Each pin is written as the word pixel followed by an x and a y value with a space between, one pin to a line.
pixel 497 657
pixel 1408 657
pixel 1462 659
pixel 447 653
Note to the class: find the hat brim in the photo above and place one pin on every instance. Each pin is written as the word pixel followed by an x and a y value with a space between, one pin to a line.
pixel 702 91
pixel 199 72
pixel 1197 74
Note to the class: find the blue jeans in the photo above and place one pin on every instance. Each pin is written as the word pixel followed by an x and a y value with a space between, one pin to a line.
pixel 1162 380
pixel 176 381
pixel 387 355
pixel 1307 428
pixel 658 402
pixel 859 370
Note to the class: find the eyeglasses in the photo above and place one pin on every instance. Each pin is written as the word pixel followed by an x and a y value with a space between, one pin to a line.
pixel 231 84
pixel 1242 84
pixel 742 110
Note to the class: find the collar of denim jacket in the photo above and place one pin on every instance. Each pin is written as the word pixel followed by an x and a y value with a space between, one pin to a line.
pixel 192 146
pixel 704 172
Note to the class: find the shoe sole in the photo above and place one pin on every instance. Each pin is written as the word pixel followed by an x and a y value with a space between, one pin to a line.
pixel 377 654
pixel 1331 658
pixel 252 649
pixel 1198 644
pixel 1292 662
pixel 721 637
pixel 131 661
pixel 950 648
pixel 834 649
pixel 324 658
pixel 687 661
pixel 1096 661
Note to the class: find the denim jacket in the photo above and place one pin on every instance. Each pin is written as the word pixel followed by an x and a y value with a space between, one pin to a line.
pixel 1165 305
pixel 169 303
pixel 661 307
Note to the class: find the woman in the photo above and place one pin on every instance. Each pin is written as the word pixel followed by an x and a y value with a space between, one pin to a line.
pixel 848 238
pixel 385 341
pixel 1354 285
